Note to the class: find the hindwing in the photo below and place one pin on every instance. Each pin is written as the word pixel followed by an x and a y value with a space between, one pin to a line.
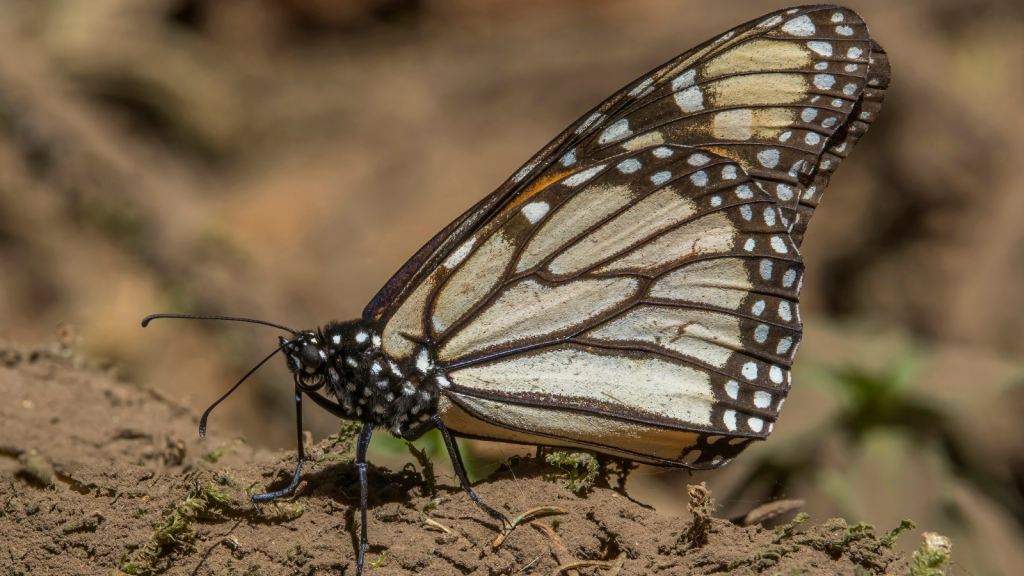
pixel 634 287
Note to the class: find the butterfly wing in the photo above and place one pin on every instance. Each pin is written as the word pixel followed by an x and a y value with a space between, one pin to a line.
pixel 633 288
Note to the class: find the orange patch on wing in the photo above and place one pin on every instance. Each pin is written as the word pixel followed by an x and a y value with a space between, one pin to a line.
pixel 535 187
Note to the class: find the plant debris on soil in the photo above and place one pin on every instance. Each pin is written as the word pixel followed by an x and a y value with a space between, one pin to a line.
pixel 104 477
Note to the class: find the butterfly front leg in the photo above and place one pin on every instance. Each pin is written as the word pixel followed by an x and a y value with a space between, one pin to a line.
pixel 301 454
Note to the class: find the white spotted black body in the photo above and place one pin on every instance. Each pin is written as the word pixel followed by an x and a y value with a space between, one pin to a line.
pixel 346 358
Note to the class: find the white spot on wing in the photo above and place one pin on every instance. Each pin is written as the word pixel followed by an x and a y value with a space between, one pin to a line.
pixel 812 138
pixel 629 166
pixel 641 87
pixel 799 26
pixel 569 159
pixel 700 178
pixel 766 269
pixel 732 388
pixel 788 278
pixel 581 177
pixel 768 158
pixel 337 339
pixel 854 53
pixel 757 308
pixel 850 89
pixel 784 345
pixel 785 311
pixel 729 172
pixel 744 192
pixel 756 424
pixel 690 100
pixel 769 215
pixel 661 177
pixel 716 201
pixel 662 152
pixel 823 48
pixel 749 371
pixel 361 337
pixel 749 245
pixel 779 245
pixel 729 419
pixel 844 30
pixel 684 80
pixel 761 333
pixel 746 212
pixel 775 373
pixel 808 114
pixel 535 211
pixel 770 22
pixel 698 160
pixel 837 17
pixel 824 81
pixel 784 192
pixel 762 399
pixel 617 131
pixel 594 118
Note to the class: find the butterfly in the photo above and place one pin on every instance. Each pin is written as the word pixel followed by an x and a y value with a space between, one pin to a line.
pixel 633 288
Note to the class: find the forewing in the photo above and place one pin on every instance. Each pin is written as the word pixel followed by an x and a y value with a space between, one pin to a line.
pixel 641 272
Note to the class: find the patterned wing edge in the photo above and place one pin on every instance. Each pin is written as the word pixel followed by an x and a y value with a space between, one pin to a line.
pixel 842 142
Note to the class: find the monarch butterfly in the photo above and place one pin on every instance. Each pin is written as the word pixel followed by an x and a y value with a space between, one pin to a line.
pixel 633 287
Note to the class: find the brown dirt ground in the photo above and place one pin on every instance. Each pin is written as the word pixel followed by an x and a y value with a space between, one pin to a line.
pixel 92 468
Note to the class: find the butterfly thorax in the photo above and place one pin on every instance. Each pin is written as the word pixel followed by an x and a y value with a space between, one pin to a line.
pixel 347 360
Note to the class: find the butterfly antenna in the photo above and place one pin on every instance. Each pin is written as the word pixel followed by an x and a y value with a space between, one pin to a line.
pixel 202 421
pixel 148 319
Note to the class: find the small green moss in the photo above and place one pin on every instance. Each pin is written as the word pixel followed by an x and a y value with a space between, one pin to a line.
pixel 933 556
pixel 380 561
pixel 787 531
pixel 216 455
pixel 139 513
pixel 889 540
pixel 177 521
pixel 581 466
pixel 555 524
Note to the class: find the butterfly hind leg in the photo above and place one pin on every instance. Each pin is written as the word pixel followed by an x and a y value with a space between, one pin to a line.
pixel 460 468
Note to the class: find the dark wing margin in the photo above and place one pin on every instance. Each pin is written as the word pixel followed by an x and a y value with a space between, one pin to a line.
pixel 864 113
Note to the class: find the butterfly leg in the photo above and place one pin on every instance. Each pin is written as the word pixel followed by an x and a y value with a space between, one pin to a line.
pixel 361 446
pixel 298 469
pixel 460 471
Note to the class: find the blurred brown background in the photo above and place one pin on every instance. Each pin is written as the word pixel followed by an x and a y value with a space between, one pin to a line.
pixel 280 159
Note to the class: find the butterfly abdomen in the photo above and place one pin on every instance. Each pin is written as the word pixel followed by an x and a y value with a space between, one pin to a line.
pixel 370 385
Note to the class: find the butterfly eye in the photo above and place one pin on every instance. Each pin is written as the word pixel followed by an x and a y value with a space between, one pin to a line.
pixel 311 357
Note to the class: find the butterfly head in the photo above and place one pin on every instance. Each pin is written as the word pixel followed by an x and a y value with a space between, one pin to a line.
pixel 308 357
